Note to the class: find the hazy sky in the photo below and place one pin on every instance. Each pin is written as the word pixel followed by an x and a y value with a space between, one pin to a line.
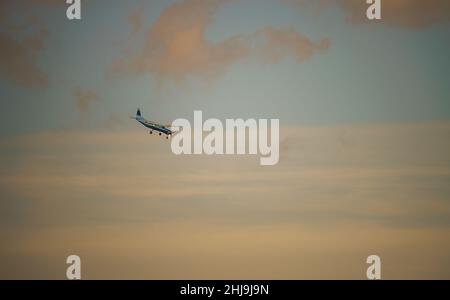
pixel 364 110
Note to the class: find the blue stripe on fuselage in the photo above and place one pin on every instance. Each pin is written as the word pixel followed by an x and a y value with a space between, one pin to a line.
pixel 156 128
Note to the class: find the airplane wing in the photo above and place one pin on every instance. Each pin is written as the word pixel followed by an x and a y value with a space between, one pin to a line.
pixel 171 127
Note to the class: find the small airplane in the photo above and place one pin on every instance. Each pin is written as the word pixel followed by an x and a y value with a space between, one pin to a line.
pixel 161 129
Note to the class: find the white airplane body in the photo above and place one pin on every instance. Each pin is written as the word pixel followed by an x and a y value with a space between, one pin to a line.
pixel 161 129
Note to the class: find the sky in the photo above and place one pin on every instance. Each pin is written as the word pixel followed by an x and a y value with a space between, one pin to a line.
pixel 364 167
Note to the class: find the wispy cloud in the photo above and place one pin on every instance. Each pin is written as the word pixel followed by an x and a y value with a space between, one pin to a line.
pixel 278 44
pixel 135 19
pixel 366 188
pixel 412 14
pixel 18 60
pixel 19 48
pixel 84 99
pixel 176 46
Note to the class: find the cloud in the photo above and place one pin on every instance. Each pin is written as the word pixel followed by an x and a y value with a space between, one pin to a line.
pixel 282 43
pixel 22 37
pixel 410 14
pixel 84 98
pixel 176 46
pixel 135 19
pixel 18 60
pixel 403 13
pixel 92 191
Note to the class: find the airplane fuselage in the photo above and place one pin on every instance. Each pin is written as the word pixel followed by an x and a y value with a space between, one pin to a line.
pixel 155 127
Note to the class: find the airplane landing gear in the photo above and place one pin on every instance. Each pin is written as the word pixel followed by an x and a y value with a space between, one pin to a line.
pixel 160 133
pixel 151 132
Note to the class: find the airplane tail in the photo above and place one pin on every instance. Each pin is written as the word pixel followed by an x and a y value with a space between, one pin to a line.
pixel 138 113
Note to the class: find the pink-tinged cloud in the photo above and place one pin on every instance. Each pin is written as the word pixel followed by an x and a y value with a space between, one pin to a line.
pixel 19 55
pixel 410 14
pixel 84 98
pixel 135 19
pixel 176 46
pixel 281 43
pixel 356 187
pixel 403 13
pixel 18 60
